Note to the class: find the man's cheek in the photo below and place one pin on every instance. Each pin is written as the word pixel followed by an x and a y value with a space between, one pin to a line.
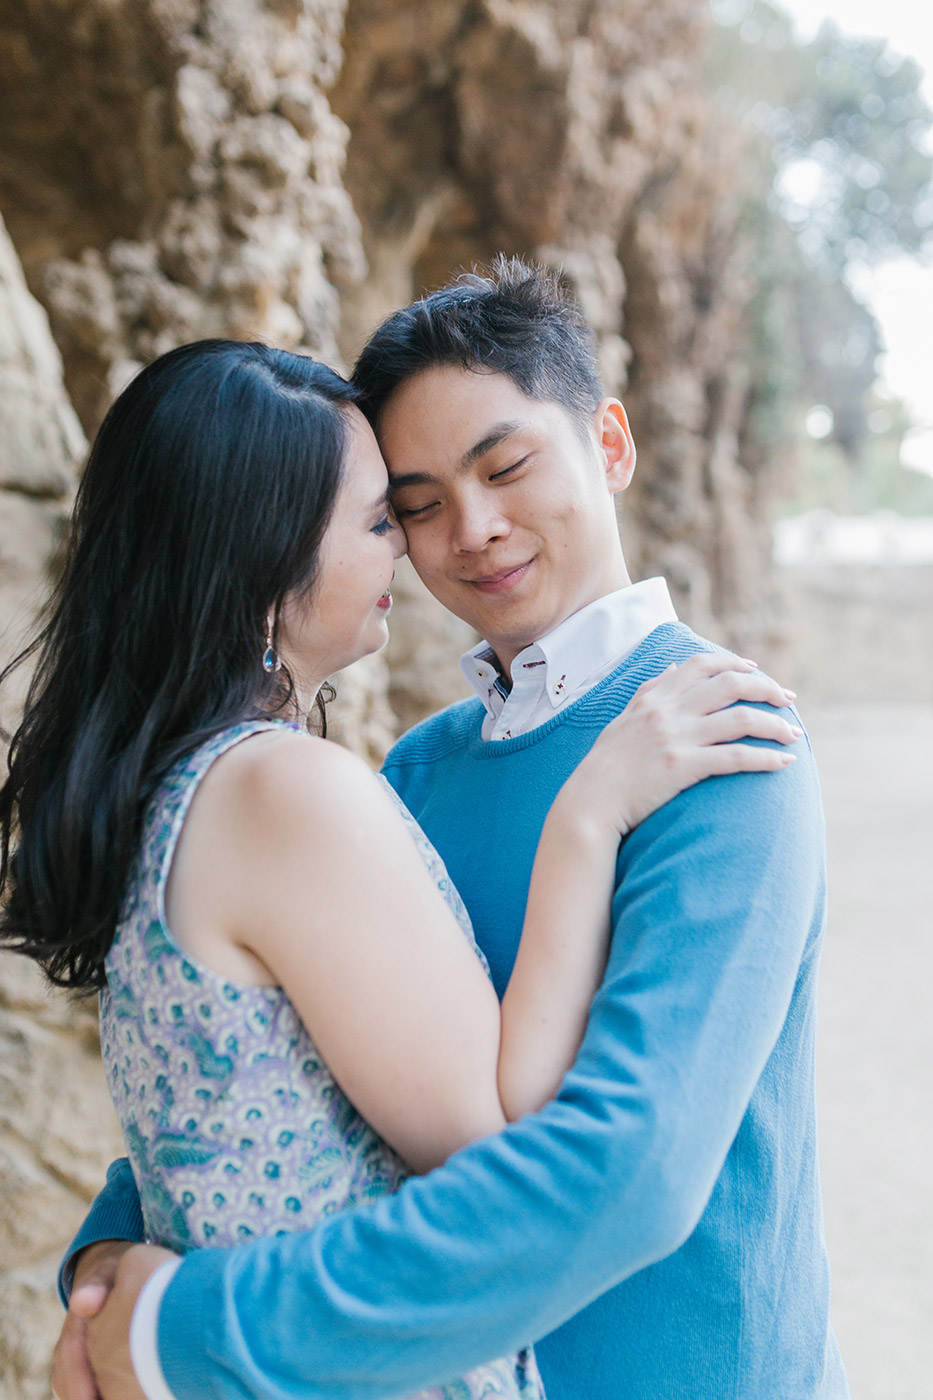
pixel 428 560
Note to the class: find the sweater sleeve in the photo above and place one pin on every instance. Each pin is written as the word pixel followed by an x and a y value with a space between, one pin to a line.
pixel 720 896
pixel 115 1214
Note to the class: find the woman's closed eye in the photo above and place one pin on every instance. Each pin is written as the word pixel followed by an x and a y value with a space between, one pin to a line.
pixel 384 525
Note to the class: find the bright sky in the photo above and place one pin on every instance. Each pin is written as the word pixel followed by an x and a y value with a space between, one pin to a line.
pixel 901 292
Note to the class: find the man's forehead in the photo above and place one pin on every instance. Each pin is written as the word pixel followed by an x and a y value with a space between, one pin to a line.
pixel 489 438
pixel 475 396
pixel 452 417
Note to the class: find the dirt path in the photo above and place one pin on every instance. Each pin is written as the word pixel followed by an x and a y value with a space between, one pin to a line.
pixel 876 1042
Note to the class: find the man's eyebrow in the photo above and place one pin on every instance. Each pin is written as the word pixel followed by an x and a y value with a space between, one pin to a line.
pixel 410 479
pixel 498 433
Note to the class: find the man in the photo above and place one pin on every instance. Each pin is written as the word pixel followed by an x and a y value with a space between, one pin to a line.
pixel 677 1168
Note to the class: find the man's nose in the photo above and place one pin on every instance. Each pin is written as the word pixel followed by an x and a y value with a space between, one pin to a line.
pixel 476 523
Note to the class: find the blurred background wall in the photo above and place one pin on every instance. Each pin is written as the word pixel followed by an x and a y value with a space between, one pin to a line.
pixel 292 170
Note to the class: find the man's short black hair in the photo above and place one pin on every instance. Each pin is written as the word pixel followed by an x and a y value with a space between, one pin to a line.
pixel 517 319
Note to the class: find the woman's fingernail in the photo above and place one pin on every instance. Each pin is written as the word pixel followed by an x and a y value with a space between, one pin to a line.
pixel 749 662
pixel 795 729
pixel 789 758
pixel 791 693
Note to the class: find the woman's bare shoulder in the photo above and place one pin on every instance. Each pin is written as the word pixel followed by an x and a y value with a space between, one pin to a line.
pixel 277 811
pixel 283 774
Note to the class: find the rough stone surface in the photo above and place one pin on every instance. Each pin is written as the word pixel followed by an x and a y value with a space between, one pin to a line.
pixel 42 438
pixel 55 1115
pixel 292 170
pixel 577 133
pixel 172 170
pixel 57 1130
pixel 41 443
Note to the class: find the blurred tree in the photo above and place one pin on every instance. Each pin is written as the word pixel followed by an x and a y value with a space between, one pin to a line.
pixel 843 180
pixel 839 342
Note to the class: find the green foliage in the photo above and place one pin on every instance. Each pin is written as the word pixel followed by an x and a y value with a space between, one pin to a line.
pixel 775 365
pixel 847 110
pixel 839 126
pixel 839 343
pixel 863 123
pixel 877 481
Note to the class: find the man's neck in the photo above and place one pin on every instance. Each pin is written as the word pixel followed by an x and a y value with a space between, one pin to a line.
pixel 504 651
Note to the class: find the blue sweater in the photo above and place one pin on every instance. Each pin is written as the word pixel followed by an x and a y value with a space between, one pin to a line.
pixel 677 1167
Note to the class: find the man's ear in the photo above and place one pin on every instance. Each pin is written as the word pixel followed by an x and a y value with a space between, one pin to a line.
pixel 616 445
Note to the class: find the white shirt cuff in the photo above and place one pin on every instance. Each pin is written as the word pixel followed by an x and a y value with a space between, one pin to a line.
pixel 144 1333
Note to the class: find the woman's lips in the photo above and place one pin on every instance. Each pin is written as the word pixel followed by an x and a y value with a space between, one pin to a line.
pixel 503 580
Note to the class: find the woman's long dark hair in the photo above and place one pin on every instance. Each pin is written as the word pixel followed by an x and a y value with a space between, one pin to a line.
pixel 204 502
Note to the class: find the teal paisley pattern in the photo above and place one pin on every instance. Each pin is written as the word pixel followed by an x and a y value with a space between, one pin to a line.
pixel 233 1124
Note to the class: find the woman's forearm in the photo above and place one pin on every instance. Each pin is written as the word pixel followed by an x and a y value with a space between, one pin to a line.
pixel 561 957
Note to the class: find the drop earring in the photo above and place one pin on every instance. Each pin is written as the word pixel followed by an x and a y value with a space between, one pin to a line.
pixel 271 661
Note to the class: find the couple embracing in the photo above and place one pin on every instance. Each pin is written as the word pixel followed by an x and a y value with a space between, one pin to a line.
pixel 360 1173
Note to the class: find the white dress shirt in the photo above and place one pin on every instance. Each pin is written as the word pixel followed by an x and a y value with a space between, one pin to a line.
pixel 567 662
pixel 579 653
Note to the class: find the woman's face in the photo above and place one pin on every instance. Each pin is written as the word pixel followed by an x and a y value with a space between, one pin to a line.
pixel 344 616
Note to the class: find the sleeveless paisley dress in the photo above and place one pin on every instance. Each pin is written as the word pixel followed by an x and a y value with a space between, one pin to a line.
pixel 233 1123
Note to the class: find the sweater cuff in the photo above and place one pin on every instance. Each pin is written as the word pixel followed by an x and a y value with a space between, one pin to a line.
pixel 114 1215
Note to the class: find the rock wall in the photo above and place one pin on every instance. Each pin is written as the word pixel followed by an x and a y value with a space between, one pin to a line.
pixel 57 1133
pixel 858 633
pixel 578 132
pixel 41 443
pixel 56 1123
pixel 291 170
pixel 172 170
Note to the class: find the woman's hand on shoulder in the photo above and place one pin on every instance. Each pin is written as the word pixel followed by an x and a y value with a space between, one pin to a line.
pixel 679 728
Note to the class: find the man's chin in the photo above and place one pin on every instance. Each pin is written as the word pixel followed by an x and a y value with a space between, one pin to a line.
pixel 509 636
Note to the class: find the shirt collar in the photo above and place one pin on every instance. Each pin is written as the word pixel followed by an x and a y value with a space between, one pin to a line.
pixel 586 644
pixel 481 668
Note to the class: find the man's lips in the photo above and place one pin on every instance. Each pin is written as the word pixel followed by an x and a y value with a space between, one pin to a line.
pixel 502 580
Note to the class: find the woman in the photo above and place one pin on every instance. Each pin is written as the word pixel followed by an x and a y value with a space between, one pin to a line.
pixel 292 1007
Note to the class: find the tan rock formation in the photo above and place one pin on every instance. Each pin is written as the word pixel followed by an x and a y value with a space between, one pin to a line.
pixel 188 180
pixel 578 133
pixel 172 170
pixel 41 443
pixel 56 1124
pixel 57 1131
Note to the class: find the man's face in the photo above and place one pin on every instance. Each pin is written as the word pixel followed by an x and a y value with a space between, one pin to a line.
pixel 506 502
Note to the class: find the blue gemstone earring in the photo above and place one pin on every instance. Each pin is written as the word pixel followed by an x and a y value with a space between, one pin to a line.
pixel 271 661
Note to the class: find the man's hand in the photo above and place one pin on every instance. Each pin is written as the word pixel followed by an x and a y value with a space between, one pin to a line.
pixel 108 1331
pixel 72 1378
